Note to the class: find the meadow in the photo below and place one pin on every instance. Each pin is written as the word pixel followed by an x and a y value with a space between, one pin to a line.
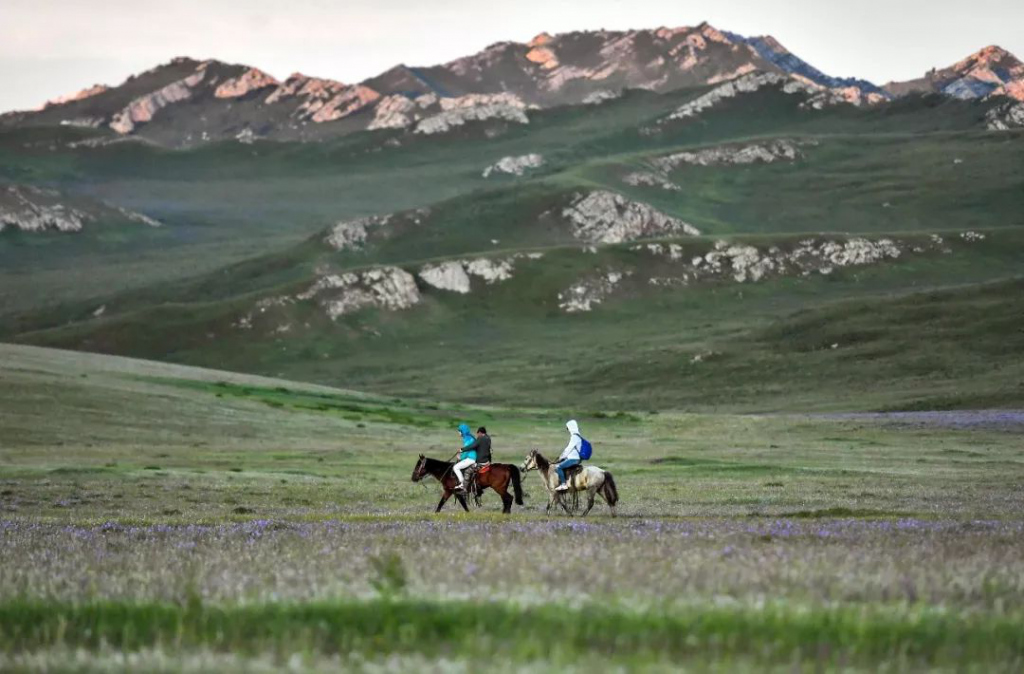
pixel 169 518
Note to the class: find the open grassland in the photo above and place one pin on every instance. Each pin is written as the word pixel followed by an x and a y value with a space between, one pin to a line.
pixel 177 519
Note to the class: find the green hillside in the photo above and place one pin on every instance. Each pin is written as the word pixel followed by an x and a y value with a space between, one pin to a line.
pixel 222 283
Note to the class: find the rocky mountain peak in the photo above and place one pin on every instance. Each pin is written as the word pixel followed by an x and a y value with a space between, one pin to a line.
pixel 540 40
pixel 88 92
pixel 992 71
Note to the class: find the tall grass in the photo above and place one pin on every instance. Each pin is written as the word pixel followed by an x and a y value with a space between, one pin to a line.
pixel 553 633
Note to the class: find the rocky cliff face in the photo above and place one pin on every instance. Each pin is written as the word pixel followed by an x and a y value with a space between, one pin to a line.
pixel 993 71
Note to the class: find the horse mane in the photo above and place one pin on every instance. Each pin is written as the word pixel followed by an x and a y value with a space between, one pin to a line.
pixel 432 465
pixel 542 463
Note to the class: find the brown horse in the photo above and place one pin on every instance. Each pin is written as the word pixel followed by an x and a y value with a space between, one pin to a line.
pixel 497 476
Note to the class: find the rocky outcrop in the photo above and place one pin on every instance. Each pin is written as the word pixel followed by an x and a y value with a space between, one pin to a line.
pixel 744 85
pixel 454 275
pixel 1005 117
pixel 588 293
pixel 94 90
pixel 450 275
pixel 515 166
pixel 341 105
pixel 673 251
pixel 675 267
pixel 387 288
pixel 607 217
pixel 34 210
pixel 31 209
pixel 456 112
pixel 600 96
pixel 726 155
pixel 744 263
pixel 142 109
pixel 321 100
pixel 306 88
pixel 816 96
pixel 350 234
pixel 650 179
pixel 83 122
pixel 251 80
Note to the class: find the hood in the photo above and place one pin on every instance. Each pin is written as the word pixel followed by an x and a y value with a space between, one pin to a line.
pixel 464 429
pixel 574 428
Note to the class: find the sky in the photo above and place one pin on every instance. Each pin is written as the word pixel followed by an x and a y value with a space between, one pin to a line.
pixel 53 47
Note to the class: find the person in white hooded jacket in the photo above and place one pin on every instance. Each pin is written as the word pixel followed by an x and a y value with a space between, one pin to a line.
pixel 570 456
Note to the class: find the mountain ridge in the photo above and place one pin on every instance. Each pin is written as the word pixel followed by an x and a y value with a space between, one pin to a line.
pixel 188 101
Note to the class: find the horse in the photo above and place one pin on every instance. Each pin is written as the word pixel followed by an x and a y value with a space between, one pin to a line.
pixel 497 476
pixel 590 479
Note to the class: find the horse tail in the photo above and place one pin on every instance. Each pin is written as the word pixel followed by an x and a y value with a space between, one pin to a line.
pixel 516 484
pixel 608 489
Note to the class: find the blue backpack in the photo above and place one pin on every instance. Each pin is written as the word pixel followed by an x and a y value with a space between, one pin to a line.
pixel 586 449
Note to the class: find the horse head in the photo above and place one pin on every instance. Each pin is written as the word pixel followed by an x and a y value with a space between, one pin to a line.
pixel 530 462
pixel 420 470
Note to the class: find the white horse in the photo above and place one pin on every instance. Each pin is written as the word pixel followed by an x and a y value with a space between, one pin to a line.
pixel 591 479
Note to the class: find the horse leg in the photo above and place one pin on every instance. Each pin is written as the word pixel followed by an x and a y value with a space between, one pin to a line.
pixel 461 498
pixel 590 501
pixel 444 499
pixel 561 501
pixel 506 500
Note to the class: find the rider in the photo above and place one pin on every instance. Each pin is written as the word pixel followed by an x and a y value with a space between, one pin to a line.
pixel 570 456
pixel 467 457
pixel 481 451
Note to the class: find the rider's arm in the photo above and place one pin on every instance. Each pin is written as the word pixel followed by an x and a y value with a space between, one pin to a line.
pixel 573 442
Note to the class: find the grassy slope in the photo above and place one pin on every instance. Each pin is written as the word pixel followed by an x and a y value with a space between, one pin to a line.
pixel 916 166
pixel 233 468
pixel 765 345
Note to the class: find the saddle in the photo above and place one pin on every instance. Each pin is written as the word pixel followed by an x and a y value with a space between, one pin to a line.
pixel 472 472
pixel 573 470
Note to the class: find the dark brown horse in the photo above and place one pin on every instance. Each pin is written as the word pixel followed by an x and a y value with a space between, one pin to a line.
pixel 497 476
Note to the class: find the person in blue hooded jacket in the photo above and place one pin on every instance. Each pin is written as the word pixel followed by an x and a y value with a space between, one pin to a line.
pixel 466 458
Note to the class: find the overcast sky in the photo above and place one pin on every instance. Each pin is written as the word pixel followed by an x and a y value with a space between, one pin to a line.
pixel 53 47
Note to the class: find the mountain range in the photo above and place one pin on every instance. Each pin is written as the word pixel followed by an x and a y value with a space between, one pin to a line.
pixel 188 102
pixel 621 220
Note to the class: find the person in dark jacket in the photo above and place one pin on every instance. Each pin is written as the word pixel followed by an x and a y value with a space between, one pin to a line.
pixel 482 446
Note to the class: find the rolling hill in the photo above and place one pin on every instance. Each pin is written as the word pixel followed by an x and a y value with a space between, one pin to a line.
pixel 726 229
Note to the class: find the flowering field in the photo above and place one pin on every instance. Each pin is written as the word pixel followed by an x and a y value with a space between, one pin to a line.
pixel 190 521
